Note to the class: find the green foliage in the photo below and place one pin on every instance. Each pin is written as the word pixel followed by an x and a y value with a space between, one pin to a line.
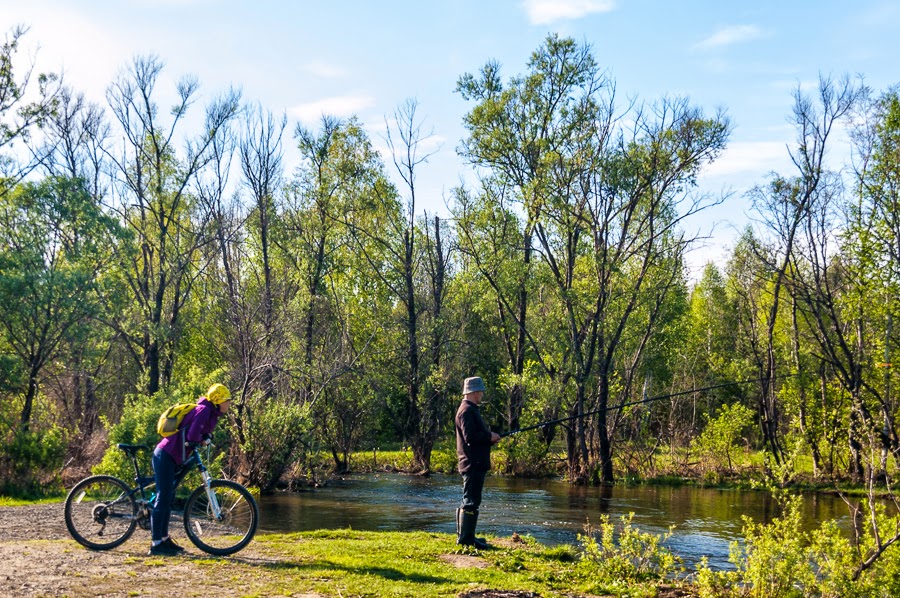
pixel 444 459
pixel 774 561
pixel 529 456
pixel 30 458
pixel 22 107
pixel 30 461
pixel 717 441
pixel 269 434
pixel 780 560
pixel 138 423
pixel 623 554
pixel 55 247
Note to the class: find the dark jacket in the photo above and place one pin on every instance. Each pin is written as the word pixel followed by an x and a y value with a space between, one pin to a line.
pixel 194 427
pixel 473 439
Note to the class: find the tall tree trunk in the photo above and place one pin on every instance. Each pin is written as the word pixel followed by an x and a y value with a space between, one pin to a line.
pixel 606 463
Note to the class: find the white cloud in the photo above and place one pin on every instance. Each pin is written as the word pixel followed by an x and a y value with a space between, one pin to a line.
pixel 544 12
pixel 805 85
pixel 52 35
pixel 727 36
pixel 323 70
pixel 755 158
pixel 340 106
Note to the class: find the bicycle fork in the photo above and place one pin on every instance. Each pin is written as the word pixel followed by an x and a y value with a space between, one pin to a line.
pixel 213 499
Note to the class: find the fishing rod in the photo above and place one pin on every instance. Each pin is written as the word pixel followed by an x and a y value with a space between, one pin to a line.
pixel 633 403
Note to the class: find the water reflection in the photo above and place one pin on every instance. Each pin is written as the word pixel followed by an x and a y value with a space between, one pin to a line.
pixel 706 521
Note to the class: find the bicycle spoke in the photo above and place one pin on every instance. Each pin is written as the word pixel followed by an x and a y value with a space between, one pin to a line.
pixel 232 529
pixel 99 512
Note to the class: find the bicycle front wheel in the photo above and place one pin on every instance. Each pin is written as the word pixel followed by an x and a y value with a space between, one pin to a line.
pixel 235 526
pixel 100 513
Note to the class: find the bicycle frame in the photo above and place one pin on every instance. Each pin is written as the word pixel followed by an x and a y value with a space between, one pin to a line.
pixel 145 483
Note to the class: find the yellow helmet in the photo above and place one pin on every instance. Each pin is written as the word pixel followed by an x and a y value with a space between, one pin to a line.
pixel 217 394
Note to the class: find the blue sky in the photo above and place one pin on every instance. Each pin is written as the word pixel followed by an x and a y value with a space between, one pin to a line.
pixel 365 57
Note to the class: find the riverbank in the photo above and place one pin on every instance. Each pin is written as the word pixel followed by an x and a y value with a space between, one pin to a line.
pixel 37 558
pixel 747 472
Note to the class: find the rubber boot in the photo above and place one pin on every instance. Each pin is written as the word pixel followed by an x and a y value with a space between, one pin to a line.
pixel 477 539
pixel 466 536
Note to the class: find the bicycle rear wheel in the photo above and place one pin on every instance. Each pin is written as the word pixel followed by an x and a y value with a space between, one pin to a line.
pixel 100 513
pixel 233 530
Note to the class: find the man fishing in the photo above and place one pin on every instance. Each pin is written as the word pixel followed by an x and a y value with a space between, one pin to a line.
pixel 474 440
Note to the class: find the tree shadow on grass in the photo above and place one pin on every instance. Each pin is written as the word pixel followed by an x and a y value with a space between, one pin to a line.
pixel 384 572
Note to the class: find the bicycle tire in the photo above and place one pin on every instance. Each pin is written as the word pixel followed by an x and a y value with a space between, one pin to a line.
pixel 98 507
pixel 237 526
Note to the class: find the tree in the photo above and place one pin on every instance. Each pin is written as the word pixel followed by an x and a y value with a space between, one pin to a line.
pixel 602 206
pixel 420 415
pixel 18 116
pixel 796 212
pixel 261 164
pixel 333 289
pixel 55 245
pixel 401 251
pixel 76 140
pixel 153 185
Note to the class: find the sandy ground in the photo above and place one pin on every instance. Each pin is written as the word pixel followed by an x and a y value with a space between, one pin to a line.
pixel 39 558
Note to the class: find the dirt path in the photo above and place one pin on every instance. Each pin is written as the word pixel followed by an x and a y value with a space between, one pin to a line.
pixel 39 558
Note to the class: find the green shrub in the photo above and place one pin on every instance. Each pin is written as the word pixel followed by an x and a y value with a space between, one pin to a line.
pixel 716 444
pixel 444 460
pixel 138 425
pixel 527 456
pixel 30 462
pixel 626 554
pixel 780 560
pixel 269 439
pixel 30 459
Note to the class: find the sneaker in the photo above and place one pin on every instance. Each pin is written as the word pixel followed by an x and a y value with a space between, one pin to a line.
pixel 163 549
pixel 171 544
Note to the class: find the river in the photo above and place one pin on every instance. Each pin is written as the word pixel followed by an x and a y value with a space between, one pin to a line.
pixel 552 511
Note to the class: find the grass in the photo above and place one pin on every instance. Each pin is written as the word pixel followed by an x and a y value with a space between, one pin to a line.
pixel 356 563
pixel 8 501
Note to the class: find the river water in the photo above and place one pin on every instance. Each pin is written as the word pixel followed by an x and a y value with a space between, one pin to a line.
pixel 552 511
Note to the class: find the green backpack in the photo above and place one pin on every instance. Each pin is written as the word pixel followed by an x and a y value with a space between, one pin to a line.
pixel 170 421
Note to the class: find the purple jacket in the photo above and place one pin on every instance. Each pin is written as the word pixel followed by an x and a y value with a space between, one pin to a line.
pixel 195 425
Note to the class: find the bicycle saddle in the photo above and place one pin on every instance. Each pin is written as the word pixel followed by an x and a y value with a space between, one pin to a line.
pixel 132 449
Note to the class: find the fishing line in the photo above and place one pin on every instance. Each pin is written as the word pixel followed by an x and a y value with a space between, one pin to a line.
pixel 633 403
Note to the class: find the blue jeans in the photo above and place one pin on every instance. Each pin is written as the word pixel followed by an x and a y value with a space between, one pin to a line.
pixel 164 472
pixel 473 484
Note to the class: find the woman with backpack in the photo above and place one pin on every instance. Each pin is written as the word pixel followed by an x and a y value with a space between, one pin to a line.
pixel 196 428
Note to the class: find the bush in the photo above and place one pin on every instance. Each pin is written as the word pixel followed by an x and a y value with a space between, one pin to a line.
pixel 717 441
pixel 527 456
pixel 780 560
pixel 444 459
pixel 633 556
pixel 30 460
pixel 138 425
pixel 269 438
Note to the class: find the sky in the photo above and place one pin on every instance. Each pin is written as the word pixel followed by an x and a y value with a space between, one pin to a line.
pixel 364 58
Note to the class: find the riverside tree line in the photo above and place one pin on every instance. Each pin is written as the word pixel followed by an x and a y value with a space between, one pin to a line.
pixel 148 250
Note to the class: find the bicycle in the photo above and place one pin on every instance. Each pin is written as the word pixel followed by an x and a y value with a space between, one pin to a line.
pixel 102 511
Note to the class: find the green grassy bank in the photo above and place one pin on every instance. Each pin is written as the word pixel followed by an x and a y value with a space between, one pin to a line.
pixel 354 563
